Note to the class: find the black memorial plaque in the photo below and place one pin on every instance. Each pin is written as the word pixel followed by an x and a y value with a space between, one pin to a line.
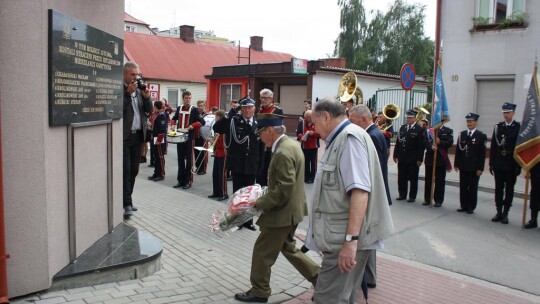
pixel 85 72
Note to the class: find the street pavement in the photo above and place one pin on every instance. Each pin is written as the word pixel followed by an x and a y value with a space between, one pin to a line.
pixel 436 255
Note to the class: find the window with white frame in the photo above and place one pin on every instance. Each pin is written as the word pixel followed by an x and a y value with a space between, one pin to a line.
pixel 499 11
pixel 174 97
pixel 131 28
pixel 228 92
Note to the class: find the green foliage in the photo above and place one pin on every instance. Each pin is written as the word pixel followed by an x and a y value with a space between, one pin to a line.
pixel 388 41
pixel 353 25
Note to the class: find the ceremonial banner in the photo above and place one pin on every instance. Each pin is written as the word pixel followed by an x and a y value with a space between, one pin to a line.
pixel 440 112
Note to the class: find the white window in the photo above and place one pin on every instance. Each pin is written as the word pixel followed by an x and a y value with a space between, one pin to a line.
pixel 131 28
pixel 497 11
pixel 174 96
pixel 228 92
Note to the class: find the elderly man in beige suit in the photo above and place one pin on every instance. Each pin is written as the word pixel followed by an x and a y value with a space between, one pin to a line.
pixel 283 206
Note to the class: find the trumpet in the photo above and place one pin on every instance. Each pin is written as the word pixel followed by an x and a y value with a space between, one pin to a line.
pixel 209 149
pixel 390 112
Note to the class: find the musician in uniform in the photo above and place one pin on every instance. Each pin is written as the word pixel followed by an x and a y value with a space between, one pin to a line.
pixel 187 117
pixel 159 132
pixel 245 149
pixel 219 175
pixel 200 156
pixel 267 107
pixel 469 162
pixel 502 163
pixel 388 132
pixel 409 154
pixel 441 144
pixel 309 141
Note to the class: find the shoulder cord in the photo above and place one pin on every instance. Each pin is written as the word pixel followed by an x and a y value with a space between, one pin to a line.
pixel 460 146
pixel 233 135
pixel 499 143
pixel 401 139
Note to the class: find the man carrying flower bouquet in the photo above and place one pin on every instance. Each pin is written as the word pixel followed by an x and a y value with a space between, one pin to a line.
pixel 283 206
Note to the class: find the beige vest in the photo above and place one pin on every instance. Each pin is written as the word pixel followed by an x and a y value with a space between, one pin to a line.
pixel 330 213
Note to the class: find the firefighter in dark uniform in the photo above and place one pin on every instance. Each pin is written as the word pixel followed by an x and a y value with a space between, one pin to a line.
pixel 159 131
pixel 535 197
pixel 501 162
pixel 267 107
pixel 444 140
pixel 469 162
pixel 408 154
pixel 245 150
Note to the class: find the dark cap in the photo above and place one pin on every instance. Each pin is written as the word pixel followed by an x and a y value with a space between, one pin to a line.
pixel 411 113
pixel 269 120
pixel 246 102
pixel 472 116
pixel 508 107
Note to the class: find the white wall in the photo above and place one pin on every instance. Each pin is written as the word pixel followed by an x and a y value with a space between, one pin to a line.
pixel 493 53
pixel 34 154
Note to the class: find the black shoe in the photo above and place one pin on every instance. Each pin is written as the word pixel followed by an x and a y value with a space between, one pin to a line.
pixel 186 186
pixel 400 198
pixel 250 227
pixel 531 224
pixel 213 196
pixel 470 212
pixel 425 203
pixel 201 173
pixel 178 185
pixel 152 177
pixel 309 182
pixel 249 297
pixel 229 178
pixel 143 159
pixel 134 208
pixel 461 210
pixel 371 285
pixel 151 166
pixel 437 205
pixel 225 197
pixel 497 218
pixel 411 200
pixel 504 219
pixel 158 178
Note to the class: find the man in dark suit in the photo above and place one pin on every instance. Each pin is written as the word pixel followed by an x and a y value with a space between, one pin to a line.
pixel 409 154
pixel 284 206
pixel 137 106
pixel 441 143
pixel 535 197
pixel 245 149
pixel 188 119
pixel 502 163
pixel 469 162
pixel 361 115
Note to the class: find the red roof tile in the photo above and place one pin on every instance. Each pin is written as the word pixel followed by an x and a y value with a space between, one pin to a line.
pixel 131 19
pixel 170 58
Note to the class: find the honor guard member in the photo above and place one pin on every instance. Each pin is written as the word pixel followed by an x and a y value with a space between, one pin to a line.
pixel 187 118
pixel 408 154
pixel 444 140
pixel 159 131
pixel 502 163
pixel 535 197
pixel 309 142
pixel 267 107
pixel 245 150
pixel 469 162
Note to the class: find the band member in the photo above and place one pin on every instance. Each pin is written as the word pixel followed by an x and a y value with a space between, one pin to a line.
pixel 267 107
pixel 159 132
pixel 501 161
pixel 219 175
pixel 233 105
pixel 245 149
pixel 469 162
pixel 386 127
pixel 409 154
pixel 200 156
pixel 440 144
pixel 187 118
pixel 309 141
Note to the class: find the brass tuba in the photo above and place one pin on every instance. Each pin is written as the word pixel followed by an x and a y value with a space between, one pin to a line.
pixel 390 112
pixel 421 112
pixel 348 89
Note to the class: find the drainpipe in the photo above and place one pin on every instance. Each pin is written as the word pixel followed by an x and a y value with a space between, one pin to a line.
pixel 3 256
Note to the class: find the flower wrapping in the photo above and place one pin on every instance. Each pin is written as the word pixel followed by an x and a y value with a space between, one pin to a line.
pixel 240 208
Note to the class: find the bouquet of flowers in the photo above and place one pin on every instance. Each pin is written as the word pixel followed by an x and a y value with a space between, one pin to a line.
pixel 239 210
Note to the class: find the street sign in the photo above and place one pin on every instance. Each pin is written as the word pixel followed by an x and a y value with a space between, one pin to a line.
pixel 407 76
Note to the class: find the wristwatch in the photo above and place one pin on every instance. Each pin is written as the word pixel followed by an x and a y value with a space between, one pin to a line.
pixel 350 237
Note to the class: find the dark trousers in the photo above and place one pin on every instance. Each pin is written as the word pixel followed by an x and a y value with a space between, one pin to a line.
pixel 239 181
pixel 200 156
pixel 262 178
pixel 310 156
pixel 468 189
pixel 159 159
pixel 535 195
pixel 185 162
pixel 152 153
pixel 219 177
pixel 440 177
pixel 504 190
pixel 131 160
pixel 408 172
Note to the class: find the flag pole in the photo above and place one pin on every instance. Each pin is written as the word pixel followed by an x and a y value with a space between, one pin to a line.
pixel 525 198
pixel 433 170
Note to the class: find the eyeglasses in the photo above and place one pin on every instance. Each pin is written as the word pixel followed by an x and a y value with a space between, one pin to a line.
pixel 260 130
pixel 266 97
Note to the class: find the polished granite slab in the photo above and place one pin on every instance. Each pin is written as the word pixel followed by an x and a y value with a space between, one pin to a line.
pixel 123 247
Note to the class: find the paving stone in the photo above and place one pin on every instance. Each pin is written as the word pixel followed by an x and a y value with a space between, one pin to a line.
pixel 51 301
pixel 81 295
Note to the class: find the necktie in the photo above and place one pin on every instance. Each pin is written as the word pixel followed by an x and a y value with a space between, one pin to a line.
pixel 470 133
